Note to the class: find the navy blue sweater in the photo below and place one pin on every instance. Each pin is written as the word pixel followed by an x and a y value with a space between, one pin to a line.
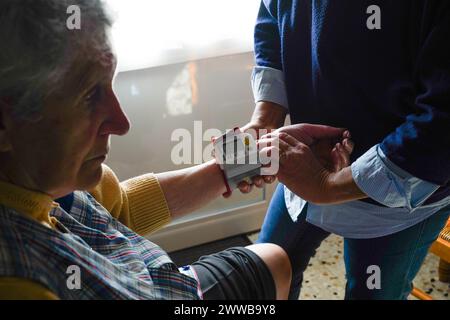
pixel 389 86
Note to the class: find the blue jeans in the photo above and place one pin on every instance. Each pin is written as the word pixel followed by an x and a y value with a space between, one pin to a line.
pixel 399 256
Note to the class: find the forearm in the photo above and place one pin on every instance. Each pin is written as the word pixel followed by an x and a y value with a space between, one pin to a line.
pixel 189 189
pixel 268 115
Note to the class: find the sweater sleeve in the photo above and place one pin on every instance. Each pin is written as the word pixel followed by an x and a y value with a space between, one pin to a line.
pixel 421 144
pixel 23 289
pixel 138 203
pixel 267 37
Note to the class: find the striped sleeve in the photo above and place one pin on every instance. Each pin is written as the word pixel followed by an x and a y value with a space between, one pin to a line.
pixel 268 85
pixel 388 184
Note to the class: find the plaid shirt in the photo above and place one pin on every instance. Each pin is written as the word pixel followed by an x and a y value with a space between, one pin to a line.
pixel 114 261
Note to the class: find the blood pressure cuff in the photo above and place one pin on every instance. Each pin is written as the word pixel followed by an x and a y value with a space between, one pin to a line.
pixel 237 155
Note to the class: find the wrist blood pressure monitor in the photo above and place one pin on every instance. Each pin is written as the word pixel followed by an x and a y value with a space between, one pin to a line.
pixel 237 155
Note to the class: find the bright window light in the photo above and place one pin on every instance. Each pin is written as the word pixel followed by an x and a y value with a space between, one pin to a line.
pixel 149 33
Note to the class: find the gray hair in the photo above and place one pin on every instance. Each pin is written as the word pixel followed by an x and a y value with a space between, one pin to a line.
pixel 37 48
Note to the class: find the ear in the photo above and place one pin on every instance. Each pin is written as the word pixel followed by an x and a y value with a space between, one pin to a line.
pixel 5 116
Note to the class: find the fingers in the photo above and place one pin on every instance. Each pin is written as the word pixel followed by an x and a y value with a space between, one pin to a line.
pixel 245 187
pixel 348 145
pixel 298 132
pixel 344 156
pixel 342 151
pixel 290 140
pixel 269 179
pixel 321 131
pixel 255 130
pixel 282 138
pixel 309 133
pixel 280 142
pixel 272 147
pixel 337 161
pixel 341 156
pixel 270 154
pixel 272 144
pixel 274 150
pixel 258 181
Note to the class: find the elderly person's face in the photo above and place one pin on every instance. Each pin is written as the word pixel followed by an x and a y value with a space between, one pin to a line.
pixel 63 150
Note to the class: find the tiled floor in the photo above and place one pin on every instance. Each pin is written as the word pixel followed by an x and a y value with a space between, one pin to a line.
pixel 325 276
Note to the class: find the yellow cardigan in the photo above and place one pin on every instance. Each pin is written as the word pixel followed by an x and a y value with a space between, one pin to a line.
pixel 139 203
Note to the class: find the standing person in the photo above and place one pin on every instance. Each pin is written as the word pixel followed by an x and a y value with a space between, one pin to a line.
pixel 383 72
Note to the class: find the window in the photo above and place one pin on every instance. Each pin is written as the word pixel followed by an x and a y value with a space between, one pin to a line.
pixel 149 33
pixel 165 84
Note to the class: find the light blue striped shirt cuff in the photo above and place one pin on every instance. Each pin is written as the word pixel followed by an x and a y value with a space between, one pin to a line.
pixel 386 183
pixel 268 85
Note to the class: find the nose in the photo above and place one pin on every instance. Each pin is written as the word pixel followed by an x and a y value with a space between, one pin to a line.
pixel 117 121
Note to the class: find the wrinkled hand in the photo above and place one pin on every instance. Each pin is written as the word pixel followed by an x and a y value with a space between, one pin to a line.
pixel 305 166
pixel 332 147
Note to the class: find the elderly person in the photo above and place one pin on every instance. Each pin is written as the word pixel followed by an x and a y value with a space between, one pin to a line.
pixel 61 208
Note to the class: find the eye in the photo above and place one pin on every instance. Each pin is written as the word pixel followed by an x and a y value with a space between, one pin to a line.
pixel 94 95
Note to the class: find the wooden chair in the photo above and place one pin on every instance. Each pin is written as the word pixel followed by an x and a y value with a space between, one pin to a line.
pixel 441 248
